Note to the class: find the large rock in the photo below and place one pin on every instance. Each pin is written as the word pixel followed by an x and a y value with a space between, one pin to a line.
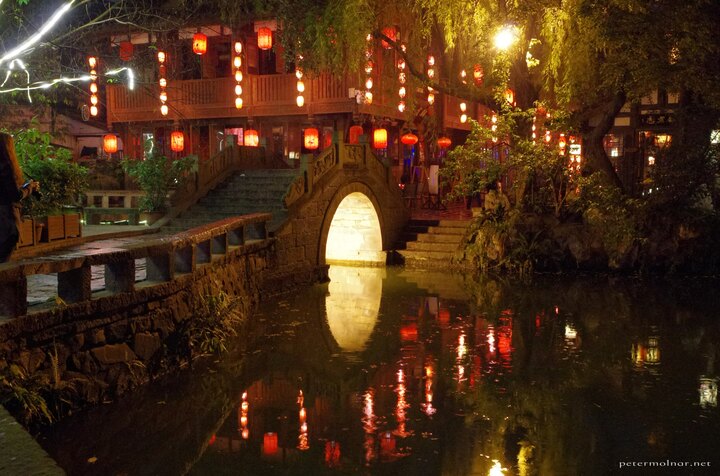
pixel 146 344
pixel 114 354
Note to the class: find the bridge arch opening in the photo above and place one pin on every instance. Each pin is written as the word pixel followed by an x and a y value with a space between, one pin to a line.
pixel 355 236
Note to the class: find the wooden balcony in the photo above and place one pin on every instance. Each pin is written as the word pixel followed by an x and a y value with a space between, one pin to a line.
pixel 270 95
pixel 266 95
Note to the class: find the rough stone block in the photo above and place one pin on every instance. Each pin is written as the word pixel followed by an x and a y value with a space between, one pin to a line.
pixel 96 336
pixel 146 345
pixel 114 354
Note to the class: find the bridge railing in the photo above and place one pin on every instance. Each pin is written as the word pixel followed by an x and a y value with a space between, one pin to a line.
pixel 339 155
pixel 166 259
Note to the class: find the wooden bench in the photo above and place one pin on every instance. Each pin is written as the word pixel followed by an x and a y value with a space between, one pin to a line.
pixel 94 214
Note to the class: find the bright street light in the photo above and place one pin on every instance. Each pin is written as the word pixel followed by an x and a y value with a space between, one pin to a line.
pixel 505 38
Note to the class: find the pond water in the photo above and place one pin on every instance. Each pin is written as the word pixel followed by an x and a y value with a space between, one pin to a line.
pixel 392 371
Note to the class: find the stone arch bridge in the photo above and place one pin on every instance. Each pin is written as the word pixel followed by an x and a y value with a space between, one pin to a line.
pixel 345 207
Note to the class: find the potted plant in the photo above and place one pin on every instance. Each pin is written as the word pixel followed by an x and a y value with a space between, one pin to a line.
pixel 156 176
pixel 62 183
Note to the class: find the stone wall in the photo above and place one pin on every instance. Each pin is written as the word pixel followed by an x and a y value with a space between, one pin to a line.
pixel 103 346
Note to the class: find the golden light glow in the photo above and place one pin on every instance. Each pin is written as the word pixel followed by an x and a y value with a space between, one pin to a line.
pixel 164 110
pixel 354 234
pixel 93 110
pixel 238 103
pixel 161 57
pixel 300 101
pixel 369 83
pixel 238 76
pixel 163 82
pixel 505 38
pixel 238 90
pixel 238 47
pixel 237 62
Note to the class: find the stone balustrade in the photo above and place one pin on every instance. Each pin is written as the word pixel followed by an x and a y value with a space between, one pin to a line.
pixel 167 258
pixel 130 198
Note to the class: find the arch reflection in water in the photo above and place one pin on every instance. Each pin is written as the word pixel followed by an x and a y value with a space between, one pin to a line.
pixel 354 235
pixel 352 305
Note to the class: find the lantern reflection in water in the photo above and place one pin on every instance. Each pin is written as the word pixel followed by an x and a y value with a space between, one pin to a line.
pixel 302 416
pixel 428 406
pixel 402 405
pixel 332 453
pixel 646 352
pixel 270 444
pixel 708 392
pixel 369 426
pixel 243 417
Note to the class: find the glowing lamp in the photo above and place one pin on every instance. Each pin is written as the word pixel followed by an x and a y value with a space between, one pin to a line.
pixel 401 106
pixel 444 142
pixel 93 110
pixel 355 133
pixel 478 74
pixel 509 95
pixel 380 138
pixel 110 143
pixel 126 50
pixel 238 90
pixel 161 57
pixel 92 61
pixel 93 88
pixel 270 443
pixel 163 82
pixel 199 43
pixel 300 87
pixel 300 100
pixel 431 98
pixel 238 103
pixel 238 47
pixel 312 138
pixel 164 110
pixel 264 38
pixel 237 62
pixel 251 138
pixel 390 32
pixel 238 76
pixel 409 139
pixel 177 141
pixel 463 118
pixel 505 38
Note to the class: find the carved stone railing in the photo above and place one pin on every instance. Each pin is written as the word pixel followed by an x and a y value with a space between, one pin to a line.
pixel 166 259
pixel 339 155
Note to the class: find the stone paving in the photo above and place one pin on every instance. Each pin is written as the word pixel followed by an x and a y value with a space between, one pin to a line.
pixel 20 454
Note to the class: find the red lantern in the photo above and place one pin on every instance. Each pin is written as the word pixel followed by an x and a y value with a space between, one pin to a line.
pixel 177 141
pixel 409 139
pixel 332 453
pixel 199 43
pixel 251 138
pixel 409 332
pixel 110 143
pixel 355 133
pixel 390 32
pixel 444 142
pixel 387 444
pixel 478 74
pixel 509 96
pixel 264 38
pixel 380 138
pixel 270 443
pixel 126 50
pixel 312 138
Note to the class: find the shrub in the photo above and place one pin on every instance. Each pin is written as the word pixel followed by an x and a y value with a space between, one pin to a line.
pixel 157 175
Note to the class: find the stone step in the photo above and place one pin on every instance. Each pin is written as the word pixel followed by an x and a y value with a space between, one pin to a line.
pixel 439 238
pixel 422 255
pixel 431 246
pixel 455 223
pixel 447 230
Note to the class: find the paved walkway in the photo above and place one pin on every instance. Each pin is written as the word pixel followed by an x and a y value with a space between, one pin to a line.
pixel 20 454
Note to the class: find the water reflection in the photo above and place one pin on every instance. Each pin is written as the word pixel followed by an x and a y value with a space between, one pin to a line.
pixel 352 305
pixel 515 379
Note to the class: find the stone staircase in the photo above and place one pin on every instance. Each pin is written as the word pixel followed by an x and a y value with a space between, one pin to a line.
pixel 431 243
pixel 248 191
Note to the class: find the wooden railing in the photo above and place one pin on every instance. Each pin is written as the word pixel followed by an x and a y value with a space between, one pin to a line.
pixel 165 259
pixel 209 98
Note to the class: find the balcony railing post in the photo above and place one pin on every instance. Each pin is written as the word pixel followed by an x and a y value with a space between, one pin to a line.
pixel 74 284
pixel 13 297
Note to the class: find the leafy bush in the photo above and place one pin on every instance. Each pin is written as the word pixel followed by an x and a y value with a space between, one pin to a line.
pixel 62 181
pixel 22 395
pixel 157 175
pixel 213 322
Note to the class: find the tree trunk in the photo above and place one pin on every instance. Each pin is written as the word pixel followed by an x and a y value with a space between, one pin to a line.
pixel 596 160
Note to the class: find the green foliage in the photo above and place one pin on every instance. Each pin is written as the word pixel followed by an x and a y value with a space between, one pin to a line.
pixel 22 394
pixel 62 181
pixel 157 175
pixel 213 322
pixel 616 217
